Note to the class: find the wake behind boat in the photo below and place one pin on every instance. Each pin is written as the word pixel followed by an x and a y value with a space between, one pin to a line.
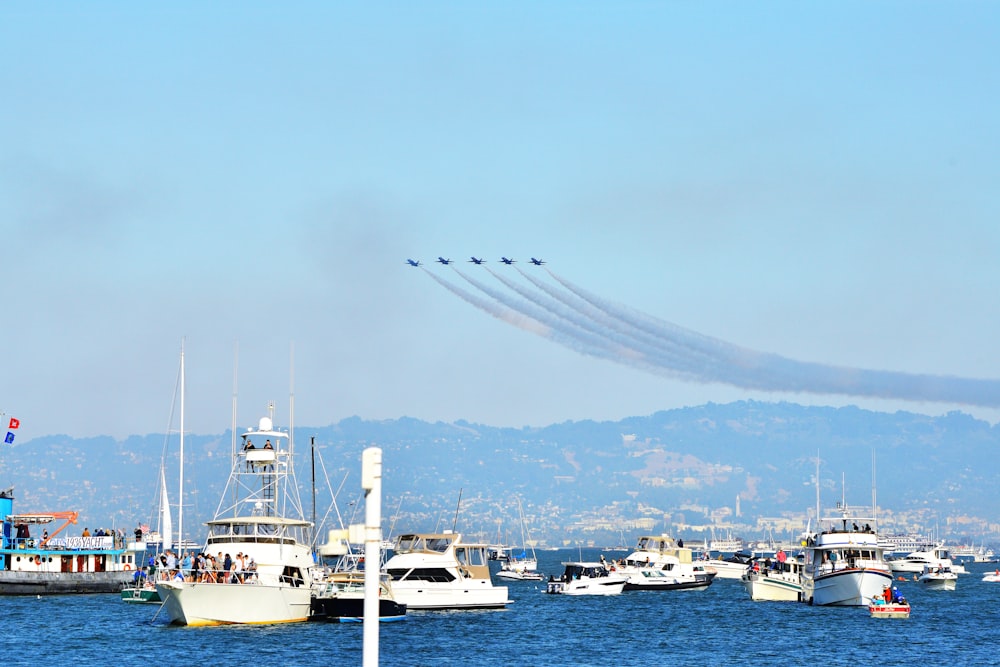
pixel 264 527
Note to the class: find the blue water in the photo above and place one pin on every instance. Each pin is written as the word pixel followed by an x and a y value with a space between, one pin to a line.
pixel 716 626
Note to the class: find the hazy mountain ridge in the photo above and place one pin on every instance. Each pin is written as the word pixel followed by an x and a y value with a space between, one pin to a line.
pixel 578 480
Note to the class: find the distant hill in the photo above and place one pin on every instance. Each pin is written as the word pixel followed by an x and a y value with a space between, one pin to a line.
pixel 586 481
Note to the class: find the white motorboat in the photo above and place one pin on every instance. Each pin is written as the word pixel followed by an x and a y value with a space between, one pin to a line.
pixel 778 580
pixel 519 569
pixel 673 559
pixel 938 578
pixel 440 571
pixel 731 567
pixel 844 565
pixel 916 562
pixel 263 522
pixel 587 578
pixel 992 577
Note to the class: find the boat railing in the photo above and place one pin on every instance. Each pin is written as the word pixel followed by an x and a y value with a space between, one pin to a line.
pixel 237 577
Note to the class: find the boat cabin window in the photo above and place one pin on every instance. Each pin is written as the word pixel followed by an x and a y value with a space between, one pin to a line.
pixel 422 574
pixel 470 555
pixel 438 544
pixel 267 529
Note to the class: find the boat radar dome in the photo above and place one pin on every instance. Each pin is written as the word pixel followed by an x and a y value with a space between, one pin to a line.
pixel 265 424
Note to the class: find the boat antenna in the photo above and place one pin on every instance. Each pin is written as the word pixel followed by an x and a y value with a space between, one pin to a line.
pixel 874 500
pixel 312 453
pixel 454 524
pixel 817 492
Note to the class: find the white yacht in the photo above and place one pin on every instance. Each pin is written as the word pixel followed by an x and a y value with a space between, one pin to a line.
pixel 671 558
pixel 587 578
pixel 917 561
pixel 844 564
pixel 730 567
pixel 938 578
pixel 440 571
pixel 260 517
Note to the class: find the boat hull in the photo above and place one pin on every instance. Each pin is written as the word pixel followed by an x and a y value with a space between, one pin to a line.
pixel 593 587
pixel 200 604
pixel 424 595
pixel 774 587
pixel 889 611
pixel 641 583
pixel 13 582
pixel 846 588
pixel 938 584
pixel 343 609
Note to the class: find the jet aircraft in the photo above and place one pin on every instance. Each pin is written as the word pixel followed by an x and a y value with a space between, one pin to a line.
pixel 476 260
pixel 506 261
pixel 536 262
pixel 412 262
pixel 442 260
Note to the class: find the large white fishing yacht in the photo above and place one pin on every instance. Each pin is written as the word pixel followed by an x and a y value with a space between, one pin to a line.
pixel 260 516
pixel 440 571
pixel 844 565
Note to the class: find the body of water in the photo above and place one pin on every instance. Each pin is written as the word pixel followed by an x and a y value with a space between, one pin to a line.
pixel 716 626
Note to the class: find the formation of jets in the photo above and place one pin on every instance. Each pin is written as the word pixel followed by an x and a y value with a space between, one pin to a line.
pixel 474 260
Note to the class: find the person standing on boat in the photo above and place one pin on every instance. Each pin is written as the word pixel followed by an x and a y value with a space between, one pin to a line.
pixel 249 447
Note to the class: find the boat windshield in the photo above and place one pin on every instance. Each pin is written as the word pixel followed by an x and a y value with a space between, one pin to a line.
pixel 435 543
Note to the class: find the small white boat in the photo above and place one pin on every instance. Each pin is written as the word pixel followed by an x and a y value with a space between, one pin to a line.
pixel 520 566
pixel 520 570
pixel 731 567
pixel 992 577
pixel 587 578
pixel 938 578
pixel 664 553
pixel 779 581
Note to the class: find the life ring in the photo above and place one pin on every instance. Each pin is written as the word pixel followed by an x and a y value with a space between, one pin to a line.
pixel 38 561
pixel 127 567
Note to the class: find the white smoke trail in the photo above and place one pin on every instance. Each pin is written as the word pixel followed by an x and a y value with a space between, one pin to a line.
pixel 591 325
pixel 750 369
pixel 567 333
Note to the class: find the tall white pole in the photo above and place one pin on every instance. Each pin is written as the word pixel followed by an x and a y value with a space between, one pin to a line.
pixel 371 482
pixel 180 491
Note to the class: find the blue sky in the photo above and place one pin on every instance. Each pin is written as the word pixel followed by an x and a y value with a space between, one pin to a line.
pixel 811 180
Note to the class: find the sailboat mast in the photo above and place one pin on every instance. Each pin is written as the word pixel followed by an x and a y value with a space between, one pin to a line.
pixel 180 496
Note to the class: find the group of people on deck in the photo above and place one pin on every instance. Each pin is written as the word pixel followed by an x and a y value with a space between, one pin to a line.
pixel 204 568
